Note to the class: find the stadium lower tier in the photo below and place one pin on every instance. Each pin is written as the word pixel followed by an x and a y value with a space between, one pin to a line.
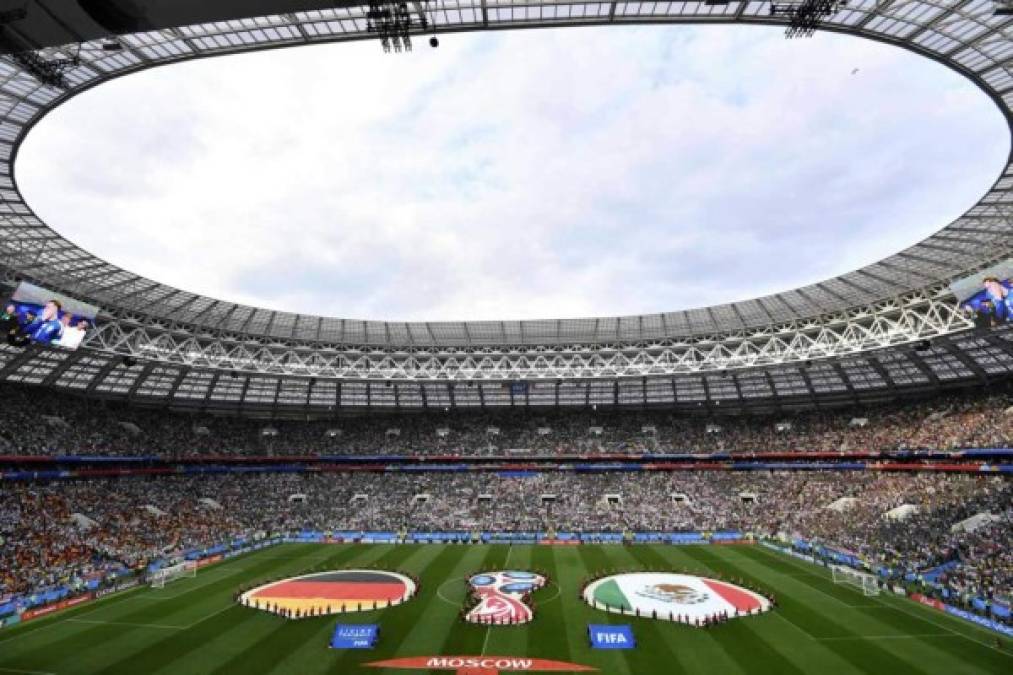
pixel 955 530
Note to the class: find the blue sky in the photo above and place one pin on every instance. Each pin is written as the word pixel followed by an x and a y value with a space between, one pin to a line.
pixel 530 174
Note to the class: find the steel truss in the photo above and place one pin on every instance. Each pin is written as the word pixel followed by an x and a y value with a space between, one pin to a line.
pixel 914 317
pixel 897 301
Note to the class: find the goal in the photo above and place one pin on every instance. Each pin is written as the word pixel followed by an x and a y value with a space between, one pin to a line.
pixel 868 583
pixel 160 577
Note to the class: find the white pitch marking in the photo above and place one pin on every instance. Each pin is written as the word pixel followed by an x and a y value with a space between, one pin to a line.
pixel 4 669
pixel 885 637
pixel 212 614
pixel 125 623
pixel 439 592
pixel 488 631
pixel 794 625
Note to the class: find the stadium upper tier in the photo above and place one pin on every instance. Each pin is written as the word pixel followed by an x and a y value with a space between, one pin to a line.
pixel 38 422
pixel 158 344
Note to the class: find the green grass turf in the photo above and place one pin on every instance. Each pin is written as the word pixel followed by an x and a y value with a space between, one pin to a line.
pixel 192 625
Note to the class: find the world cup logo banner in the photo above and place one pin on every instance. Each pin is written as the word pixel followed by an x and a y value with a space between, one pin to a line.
pixel 501 597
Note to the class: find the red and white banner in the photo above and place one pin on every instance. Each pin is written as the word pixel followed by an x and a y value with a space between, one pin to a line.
pixel 928 602
pixel 37 612
pixel 474 665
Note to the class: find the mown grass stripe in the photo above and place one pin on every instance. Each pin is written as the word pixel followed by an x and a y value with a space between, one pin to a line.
pixel 596 561
pixel 167 651
pixel 422 612
pixel 513 640
pixel 469 639
pixel 681 644
pixel 871 658
pixel 434 636
pixel 549 613
pixel 19 632
pixel 954 652
pixel 392 620
pixel 89 650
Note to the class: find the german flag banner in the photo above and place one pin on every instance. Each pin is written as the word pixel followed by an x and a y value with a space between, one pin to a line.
pixel 331 592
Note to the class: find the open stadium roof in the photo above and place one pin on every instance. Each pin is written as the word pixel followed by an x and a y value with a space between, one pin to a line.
pixel 966 36
pixel 178 341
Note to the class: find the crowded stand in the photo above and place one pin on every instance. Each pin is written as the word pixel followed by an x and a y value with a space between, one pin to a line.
pixel 948 533
pixel 36 421
pixel 66 531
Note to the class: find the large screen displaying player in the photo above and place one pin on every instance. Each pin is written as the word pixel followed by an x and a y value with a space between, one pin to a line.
pixel 988 296
pixel 35 315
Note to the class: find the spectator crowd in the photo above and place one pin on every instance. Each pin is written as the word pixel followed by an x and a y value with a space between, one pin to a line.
pixel 36 421
pixel 60 530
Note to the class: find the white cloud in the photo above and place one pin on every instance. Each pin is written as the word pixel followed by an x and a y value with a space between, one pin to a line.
pixel 516 175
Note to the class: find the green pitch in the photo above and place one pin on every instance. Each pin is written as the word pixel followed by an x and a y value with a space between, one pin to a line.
pixel 192 625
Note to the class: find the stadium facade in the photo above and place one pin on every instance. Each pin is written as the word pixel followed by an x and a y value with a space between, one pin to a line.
pixel 887 329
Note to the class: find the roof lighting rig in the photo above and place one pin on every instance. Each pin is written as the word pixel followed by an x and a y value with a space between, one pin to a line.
pixel 394 21
pixel 806 16
pixel 46 71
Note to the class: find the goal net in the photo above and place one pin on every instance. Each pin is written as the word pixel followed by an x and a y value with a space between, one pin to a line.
pixel 868 583
pixel 159 578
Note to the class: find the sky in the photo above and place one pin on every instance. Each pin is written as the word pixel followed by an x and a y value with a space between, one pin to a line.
pixel 517 175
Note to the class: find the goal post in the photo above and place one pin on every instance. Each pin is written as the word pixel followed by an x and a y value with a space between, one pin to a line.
pixel 867 583
pixel 183 570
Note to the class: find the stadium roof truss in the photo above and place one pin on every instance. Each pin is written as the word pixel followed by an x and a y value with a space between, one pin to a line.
pixel 868 376
pixel 179 338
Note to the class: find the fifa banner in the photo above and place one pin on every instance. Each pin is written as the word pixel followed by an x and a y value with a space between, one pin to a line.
pixel 603 636
pixel 36 315
pixel 355 636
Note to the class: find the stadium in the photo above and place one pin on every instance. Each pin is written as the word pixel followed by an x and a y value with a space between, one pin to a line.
pixel 813 480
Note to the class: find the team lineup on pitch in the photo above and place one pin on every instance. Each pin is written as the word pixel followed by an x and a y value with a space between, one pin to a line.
pixel 467 613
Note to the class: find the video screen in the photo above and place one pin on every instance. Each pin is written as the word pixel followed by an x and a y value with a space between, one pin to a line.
pixel 36 315
pixel 987 295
